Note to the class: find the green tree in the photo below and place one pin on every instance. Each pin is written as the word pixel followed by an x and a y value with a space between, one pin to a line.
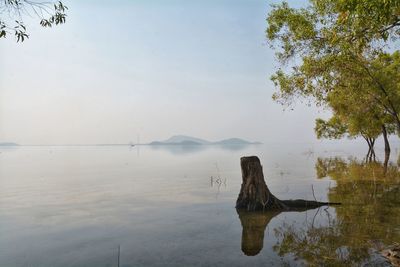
pixel 336 128
pixel 355 115
pixel 12 13
pixel 357 106
pixel 370 20
pixel 324 56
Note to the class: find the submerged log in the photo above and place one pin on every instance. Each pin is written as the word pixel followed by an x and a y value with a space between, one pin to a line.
pixel 255 196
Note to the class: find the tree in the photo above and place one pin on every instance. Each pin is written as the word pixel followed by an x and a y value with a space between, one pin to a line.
pixel 352 127
pixel 12 14
pixel 355 114
pixel 332 49
pixel 369 109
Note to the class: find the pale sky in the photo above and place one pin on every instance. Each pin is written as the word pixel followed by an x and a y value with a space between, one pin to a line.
pixel 119 69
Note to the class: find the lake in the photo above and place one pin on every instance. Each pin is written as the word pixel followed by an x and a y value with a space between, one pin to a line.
pixel 175 206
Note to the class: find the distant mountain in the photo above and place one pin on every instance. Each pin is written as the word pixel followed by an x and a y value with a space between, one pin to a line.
pixel 8 144
pixel 233 141
pixel 182 143
pixel 190 141
pixel 185 138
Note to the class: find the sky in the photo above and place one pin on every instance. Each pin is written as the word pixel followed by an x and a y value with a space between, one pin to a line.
pixel 119 70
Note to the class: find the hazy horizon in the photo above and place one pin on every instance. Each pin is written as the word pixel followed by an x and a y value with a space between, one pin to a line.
pixel 118 70
pixel 159 140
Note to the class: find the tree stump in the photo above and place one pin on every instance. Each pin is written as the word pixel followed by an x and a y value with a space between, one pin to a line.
pixel 255 196
pixel 254 193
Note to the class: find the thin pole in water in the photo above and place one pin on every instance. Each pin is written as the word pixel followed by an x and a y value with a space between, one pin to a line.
pixel 119 249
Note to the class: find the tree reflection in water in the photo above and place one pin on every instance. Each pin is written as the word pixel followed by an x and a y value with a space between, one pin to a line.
pixel 367 221
pixel 254 224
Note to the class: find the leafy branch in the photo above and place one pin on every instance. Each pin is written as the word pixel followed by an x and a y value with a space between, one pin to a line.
pixel 12 13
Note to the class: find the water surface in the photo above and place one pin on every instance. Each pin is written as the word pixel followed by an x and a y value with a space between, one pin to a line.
pixel 174 206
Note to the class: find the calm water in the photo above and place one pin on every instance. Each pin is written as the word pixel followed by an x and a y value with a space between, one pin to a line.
pixel 174 206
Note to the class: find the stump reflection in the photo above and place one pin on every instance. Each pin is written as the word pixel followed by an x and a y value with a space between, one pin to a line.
pixel 254 224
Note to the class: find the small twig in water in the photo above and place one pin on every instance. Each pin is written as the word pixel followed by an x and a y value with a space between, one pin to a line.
pixel 312 188
pixel 312 224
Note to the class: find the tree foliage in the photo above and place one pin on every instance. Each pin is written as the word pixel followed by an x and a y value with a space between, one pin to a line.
pixel 333 128
pixel 355 113
pixel 371 19
pixel 333 53
pixel 12 13
pixel 325 24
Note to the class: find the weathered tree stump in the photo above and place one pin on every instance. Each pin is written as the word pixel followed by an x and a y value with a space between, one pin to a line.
pixel 255 196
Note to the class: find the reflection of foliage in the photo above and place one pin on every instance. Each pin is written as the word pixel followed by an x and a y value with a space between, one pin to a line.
pixel 314 246
pixel 366 222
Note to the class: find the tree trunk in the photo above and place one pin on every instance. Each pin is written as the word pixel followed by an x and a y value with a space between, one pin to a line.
pixel 255 196
pixel 386 162
pixel 371 152
pixel 385 138
pixel 397 123
pixel 369 144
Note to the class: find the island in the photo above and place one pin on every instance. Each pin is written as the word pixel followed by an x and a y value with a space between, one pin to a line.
pixel 8 144
pixel 185 140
